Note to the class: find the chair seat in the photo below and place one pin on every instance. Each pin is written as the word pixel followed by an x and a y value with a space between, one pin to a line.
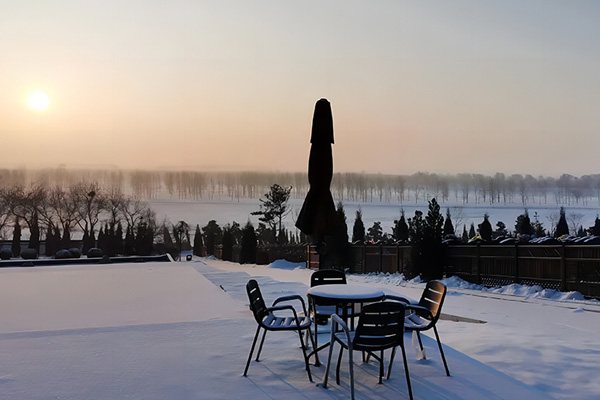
pixel 414 322
pixel 343 339
pixel 285 323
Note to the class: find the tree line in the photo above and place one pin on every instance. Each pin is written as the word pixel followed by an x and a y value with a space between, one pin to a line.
pixel 418 188
pixel 55 213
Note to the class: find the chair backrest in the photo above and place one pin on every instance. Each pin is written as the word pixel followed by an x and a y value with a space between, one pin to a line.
pixel 327 277
pixel 433 299
pixel 380 326
pixel 257 303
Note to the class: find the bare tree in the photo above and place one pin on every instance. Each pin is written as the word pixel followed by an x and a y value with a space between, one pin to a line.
pixel 5 212
pixel 574 220
pixel 89 204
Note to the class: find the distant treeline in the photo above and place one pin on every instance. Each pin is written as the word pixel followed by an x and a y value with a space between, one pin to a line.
pixel 417 188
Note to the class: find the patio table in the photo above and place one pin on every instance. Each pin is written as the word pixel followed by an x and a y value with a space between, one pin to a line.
pixel 343 298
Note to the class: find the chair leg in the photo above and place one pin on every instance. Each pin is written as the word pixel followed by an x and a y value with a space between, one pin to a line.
pixel 251 350
pixel 389 373
pixel 261 345
pixel 381 368
pixel 315 341
pixel 305 356
pixel 421 345
pixel 441 350
pixel 351 372
pixel 337 369
pixel 406 373
pixel 326 376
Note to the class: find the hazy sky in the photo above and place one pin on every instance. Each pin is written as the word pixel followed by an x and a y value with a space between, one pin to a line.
pixel 437 86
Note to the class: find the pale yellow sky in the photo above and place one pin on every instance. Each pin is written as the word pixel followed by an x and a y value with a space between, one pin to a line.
pixel 437 86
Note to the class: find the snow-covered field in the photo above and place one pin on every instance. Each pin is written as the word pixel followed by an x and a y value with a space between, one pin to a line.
pixel 183 331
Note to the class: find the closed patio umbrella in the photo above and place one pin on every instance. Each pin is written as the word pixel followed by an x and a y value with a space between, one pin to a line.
pixel 317 217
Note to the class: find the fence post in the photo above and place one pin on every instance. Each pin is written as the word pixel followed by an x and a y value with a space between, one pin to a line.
pixel 563 269
pixel 397 258
pixel 517 278
pixel 380 258
pixel 478 264
pixel 364 258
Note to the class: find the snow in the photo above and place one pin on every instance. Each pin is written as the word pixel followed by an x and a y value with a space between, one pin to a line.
pixel 183 331
pixel 349 291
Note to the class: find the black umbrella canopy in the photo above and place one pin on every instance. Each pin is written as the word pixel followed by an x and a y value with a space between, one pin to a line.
pixel 317 216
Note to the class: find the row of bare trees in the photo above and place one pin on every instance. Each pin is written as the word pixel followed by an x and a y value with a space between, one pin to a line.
pixel 417 188
pixel 80 207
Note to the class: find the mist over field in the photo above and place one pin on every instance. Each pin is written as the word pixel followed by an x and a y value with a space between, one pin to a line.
pixel 197 197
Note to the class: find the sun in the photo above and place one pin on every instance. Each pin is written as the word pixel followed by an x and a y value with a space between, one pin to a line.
pixel 38 101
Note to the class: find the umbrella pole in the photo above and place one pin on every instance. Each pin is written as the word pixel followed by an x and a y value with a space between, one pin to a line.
pixel 321 251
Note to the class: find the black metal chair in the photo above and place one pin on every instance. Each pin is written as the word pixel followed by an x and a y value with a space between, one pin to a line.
pixel 268 321
pixel 325 277
pixel 426 314
pixel 322 313
pixel 380 327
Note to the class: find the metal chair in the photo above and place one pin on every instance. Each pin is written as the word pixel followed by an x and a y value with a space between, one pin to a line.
pixel 268 321
pixel 322 313
pixel 426 314
pixel 325 277
pixel 380 327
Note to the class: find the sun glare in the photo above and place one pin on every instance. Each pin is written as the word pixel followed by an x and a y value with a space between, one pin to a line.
pixel 38 101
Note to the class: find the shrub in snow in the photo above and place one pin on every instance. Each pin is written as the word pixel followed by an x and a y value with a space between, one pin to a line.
pixel 75 252
pixel 95 252
pixel 29 254
pixel 426 241
pixel 64 253
pixel 5 253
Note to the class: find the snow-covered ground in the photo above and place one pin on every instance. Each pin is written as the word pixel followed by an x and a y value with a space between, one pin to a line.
pixel 183 331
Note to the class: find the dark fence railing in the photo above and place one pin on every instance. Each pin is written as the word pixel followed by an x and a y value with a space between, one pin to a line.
pixel 372 258
pixel 566 268
pixel 561 267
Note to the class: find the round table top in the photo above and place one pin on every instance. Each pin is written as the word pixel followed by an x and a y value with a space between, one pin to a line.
pixel 348 292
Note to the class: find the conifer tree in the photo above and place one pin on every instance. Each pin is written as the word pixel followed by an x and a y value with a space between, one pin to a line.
pixel 248 251
pixel 465 234
pixel 485 228
pixel 66 239
pixel 118 240
pixel 34 233
pixel 375 232
pixel 358 230
pixel 537 226
pixel 212 234
pixel 523 224
pixel 16 240
pixel 50 251
pixel 227 244
pixel 338 253
pixel 595 230
pixel 448 226
pixel 84 241
pixel 562 228
pixel 101 239
pixel 400 229
pixel 274 207
pixel 129 241
pixel 198 242
pixel 57 239
pixel 472 232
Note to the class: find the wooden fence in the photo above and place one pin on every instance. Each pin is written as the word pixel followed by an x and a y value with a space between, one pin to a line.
pixel 566 268
pixel 562 267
